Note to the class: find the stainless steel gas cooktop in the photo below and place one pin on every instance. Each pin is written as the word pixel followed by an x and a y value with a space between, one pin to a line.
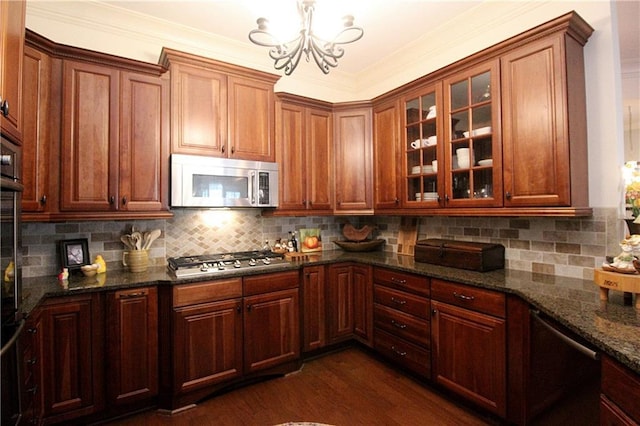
pixel 213 263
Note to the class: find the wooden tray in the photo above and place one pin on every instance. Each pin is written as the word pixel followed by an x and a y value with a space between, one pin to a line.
pixel 368 245
pixel 615 281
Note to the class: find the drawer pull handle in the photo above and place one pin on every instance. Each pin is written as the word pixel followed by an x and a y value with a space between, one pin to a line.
pixel 33 390
pixel 132 295
pixel 32 361
pixel 398 281
pixel 398 301
pixel 462 296
pixel 398 352
pixel 398 325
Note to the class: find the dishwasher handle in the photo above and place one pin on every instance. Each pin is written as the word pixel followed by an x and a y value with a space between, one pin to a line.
pixel 568 340
pixel 14 338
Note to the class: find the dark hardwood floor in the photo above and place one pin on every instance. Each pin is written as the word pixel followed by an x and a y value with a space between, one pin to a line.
pixel 349 387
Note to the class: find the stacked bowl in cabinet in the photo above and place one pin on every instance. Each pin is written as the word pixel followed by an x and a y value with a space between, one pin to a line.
pixel 401 319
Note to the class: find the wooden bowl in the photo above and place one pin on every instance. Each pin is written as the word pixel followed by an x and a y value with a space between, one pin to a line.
pixel 367 245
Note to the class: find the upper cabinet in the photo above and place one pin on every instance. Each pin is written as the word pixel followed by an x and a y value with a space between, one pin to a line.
pixel 304 153
pixel 219 109
pixel 544 121
pixel 353 159
pixel 12 17
pixel 36 89
pixel 472 143
pixel 422 147
pixel 386 155
pixel 501 132
pixel 114 139
pixel 107 154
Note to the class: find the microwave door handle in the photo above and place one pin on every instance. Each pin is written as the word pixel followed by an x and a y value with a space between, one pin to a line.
pixel 252 186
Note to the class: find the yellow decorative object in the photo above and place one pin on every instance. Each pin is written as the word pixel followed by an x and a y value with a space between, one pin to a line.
pixel 102 265
pixel 9 272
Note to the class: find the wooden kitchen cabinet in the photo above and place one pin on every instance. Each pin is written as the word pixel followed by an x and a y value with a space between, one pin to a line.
pixel 620 394
pixel 72 366
pixel 12 23
pixel 31 390
pixel 401 319
pixel 386 158
pixel 271 320
pixel 349 303
pixel 36 148
pixel 251 119
pixel 340 304
pixel 223 331
pixel 362 303
pixel 544 120
pixel 132 346
pixel 304 154
pixel 469 343
pixel 472 126
pixel 422 143
pixel 353 158
pixel 220 109
pixel 114 148
pixel 314 335
pixel 206 336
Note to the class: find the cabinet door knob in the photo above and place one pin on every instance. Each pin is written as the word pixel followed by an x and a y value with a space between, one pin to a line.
pixel 233 149
pixel 222 149
pixel 124 201
pixel 508 195
pixel 43 199
pixel 4 107
pixel 446 198
pixel 112 199
pixel 249 308
pixel 397 200
pixel 239 309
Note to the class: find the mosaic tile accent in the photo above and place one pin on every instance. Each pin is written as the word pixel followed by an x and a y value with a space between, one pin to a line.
pixel 570 247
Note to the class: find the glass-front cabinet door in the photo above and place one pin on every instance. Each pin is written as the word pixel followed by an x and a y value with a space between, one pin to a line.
pixel 472 158
pixel 422 147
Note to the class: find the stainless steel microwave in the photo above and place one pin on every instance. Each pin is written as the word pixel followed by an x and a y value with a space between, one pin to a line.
pixel 199 181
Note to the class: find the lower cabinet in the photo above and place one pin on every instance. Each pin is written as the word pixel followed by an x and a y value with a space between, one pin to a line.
pixel 72 367
pixel 401 319
pixel 469 343
pixel 314 318
pixel 207 342
pixel 349 303
pixel 132 346
pixel 620 395
pixel 271 321
pixel 31 391
pixel 227 330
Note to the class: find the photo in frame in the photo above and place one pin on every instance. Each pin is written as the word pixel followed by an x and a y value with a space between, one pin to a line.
pixel 74 253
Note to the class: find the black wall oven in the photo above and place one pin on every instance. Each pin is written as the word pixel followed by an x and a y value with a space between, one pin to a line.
pixel 13 320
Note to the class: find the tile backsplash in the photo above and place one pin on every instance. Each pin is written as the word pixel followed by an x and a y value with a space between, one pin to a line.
pixel 570 247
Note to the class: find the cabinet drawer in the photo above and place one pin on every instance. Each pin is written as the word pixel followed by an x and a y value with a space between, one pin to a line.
pixel 476 299
pixel 622 387
pixel 404 353
pixel 401 280
pixel 413 329
pixel 402 301
pixel 209 291
pixel 271 282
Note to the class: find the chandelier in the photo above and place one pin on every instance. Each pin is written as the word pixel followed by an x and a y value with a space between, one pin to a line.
pixel 325 53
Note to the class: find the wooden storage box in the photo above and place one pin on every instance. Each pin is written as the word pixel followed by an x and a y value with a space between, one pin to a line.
pixel 460 254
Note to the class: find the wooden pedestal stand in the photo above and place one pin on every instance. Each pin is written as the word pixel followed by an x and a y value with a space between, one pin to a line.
pixel 616 281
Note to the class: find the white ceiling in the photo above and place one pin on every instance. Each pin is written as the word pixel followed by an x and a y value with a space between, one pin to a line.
pixel 388 25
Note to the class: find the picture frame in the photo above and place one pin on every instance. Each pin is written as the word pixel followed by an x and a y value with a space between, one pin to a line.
pixel 74 253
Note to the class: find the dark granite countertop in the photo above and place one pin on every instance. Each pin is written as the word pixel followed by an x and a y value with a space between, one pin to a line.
pixel 611 327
